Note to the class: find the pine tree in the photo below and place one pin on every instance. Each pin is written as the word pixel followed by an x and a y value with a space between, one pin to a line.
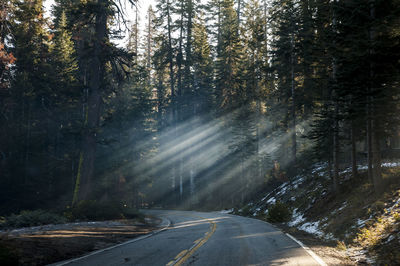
pixel 65 61
pixel 228 84
pixel 203 68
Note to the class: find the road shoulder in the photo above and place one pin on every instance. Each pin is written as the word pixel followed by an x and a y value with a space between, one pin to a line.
pixel 54 243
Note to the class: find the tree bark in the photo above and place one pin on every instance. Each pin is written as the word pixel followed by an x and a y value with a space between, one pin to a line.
pixel 373 137
pixel 293 111
pixel 336 144
pixel 83 183
pixel 354 170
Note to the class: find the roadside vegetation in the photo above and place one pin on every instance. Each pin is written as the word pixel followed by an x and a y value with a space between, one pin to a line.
pixel 39 237
pixel 89 210
pixel 364 224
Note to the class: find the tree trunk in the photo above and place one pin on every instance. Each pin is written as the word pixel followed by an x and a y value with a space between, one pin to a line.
pixel 376 155
pixel 294 146
pixel 239 13
pixel 354 170
pixel 86 163
pixel 374 149
pixel 336 150
pixel 369 139
pixel 336 144
pixel 170 59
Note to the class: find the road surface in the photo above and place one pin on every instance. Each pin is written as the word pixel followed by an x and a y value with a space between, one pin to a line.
pixel 198 238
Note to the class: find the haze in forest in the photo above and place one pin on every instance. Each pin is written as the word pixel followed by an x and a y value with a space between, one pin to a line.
pixel 208 105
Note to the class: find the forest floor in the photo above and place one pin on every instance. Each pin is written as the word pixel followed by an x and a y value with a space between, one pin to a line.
pixel 43 245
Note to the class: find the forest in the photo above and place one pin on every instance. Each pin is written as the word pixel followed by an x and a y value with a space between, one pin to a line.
pixel 210 104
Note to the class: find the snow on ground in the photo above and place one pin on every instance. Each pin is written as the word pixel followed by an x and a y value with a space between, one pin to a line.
pixel 298 180
pixel 256 211
pixel 312 228
pixel 361 223
pixel 271 200
pixel 297 218
pixel 396 204
pixel 282 189
pixel 365 167
pixel 319 167
pixel 391 164
pixel 226 211
pixel 343 206
pixel 266 196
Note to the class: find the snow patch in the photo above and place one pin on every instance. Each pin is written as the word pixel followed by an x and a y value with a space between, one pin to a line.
pixel 393 164
pixel 361 223
pixel 271 200
pixel 297 218
pixel 226 211
pixel 256 211
pixel 266 196
pixel 283 188
pixel 343 206
pixel 390 238
pixel 312 228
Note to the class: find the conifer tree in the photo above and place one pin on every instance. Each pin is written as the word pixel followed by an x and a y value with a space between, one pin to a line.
pixel 65 61
pixel 203 67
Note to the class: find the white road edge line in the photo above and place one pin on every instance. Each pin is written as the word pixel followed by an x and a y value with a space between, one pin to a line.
pixel 309 251
pixel 118 245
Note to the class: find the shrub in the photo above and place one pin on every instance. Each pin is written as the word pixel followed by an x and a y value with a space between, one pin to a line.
pixel 279 213
pixel 341 245
pixel 31 218
pixel 246 210
pixel 93 210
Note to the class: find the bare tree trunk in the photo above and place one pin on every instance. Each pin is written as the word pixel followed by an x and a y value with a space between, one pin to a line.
pixel 373 141
pixel 354 170
pixel 170 59
pixel 86 163
pixel 149 40
pixel 294 146
pixel 27 144
pixel 369 139
pixel 376 155
pixel 336 144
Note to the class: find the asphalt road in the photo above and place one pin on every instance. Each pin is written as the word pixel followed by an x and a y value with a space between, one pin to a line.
pixel 197 238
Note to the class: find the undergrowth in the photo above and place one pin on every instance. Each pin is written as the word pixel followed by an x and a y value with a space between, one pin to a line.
pixel 31 218
pixel 89 210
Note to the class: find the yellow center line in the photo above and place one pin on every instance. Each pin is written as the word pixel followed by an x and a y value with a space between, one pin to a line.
pixel 184 255
pixel 180 254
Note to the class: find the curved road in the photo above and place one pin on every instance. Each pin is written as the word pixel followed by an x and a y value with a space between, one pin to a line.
pixel 198 238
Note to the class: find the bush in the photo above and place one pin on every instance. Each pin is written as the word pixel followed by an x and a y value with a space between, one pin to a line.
pixel 31 218
pixel 93 210
pixel 279 213
pixel 246 210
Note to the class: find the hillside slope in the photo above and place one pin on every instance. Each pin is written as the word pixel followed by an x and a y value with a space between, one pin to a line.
pixel 356 219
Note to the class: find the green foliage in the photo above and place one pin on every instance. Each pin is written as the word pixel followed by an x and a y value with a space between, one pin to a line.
pixel 279 213
pixel 246 210
pixel 31 218
pixel 93 210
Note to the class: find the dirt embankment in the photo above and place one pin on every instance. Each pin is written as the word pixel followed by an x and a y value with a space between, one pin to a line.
pixel 52 243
